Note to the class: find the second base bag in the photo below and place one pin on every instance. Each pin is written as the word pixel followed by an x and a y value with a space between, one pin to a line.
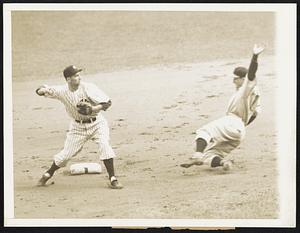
pixel 85 168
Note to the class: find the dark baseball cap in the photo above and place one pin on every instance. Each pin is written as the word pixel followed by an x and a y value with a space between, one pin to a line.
pixel 71 70
pixel 240 71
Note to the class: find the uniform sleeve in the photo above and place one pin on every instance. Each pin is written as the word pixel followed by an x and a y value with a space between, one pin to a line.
pixel 252 67
pixel 255 101
pixel 257 105
pixel 52 91
pixel 95 94
pixel 246 89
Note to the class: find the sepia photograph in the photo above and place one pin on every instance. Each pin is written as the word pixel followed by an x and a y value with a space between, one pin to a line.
pixel 158 115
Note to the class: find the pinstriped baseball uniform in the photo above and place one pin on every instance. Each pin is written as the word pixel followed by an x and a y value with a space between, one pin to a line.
pixel 226 133
pixel 79 132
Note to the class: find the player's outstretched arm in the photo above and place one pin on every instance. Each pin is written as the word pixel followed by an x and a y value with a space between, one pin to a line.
pixel 253 65
pixel 48 91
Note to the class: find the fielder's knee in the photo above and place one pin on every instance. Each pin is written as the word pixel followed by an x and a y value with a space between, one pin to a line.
pixel 106 151
pixel 60 162
pixel 62 158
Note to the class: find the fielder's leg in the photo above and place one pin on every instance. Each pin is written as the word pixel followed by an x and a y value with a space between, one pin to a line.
pixel 114 183
pixel 47 175
pixel 107 154
pixel 73 145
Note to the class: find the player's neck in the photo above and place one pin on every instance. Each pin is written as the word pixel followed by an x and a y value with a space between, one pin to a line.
pixel 73 88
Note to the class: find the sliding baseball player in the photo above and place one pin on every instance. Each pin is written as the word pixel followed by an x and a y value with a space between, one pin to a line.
pixel 215 140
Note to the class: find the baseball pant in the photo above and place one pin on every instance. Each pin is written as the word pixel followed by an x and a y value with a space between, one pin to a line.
pixel 79 134
pixel 222 136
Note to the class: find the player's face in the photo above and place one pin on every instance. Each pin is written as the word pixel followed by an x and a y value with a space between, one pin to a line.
pixel 238 81
pixel 74 80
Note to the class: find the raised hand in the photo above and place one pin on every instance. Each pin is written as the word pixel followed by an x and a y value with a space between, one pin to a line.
pixel 257 49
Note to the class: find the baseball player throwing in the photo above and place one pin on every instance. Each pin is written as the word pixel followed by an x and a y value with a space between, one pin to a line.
pixel 83 103
pixel 215 140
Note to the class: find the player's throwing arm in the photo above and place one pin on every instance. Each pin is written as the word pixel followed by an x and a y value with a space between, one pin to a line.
pixel 84 103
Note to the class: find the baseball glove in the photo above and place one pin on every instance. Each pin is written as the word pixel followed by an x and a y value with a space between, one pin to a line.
pixel 84 107
pixel 106 105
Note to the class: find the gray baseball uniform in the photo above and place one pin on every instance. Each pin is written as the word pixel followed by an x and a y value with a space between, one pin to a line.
pixel 226 133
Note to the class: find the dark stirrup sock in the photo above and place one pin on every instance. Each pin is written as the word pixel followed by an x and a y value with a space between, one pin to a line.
pixel 52 169
pixel 200 144
pixel 109 164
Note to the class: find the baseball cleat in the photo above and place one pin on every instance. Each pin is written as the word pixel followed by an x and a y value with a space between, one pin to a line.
pixel 45 177
pixel 114 183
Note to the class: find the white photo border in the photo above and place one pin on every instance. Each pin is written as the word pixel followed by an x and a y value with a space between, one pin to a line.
pixel 286 123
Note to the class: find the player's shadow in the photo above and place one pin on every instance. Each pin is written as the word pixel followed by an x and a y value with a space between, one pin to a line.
pixel 203 170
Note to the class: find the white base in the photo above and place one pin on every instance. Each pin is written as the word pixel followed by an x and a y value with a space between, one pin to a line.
pixel 85 168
